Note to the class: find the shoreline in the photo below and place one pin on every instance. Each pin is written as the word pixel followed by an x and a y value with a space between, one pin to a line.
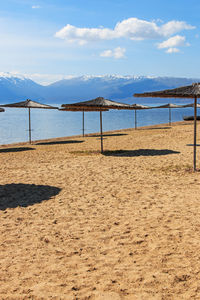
pixel 34 142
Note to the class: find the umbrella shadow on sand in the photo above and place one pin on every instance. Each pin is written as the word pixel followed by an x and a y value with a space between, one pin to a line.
pixel 14 195
pixel 17 149
pixel 140 152
pixel 154 128
pixel 60 142
pixel 109 134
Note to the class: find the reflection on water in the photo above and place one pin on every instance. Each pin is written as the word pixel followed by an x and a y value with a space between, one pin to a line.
pixel 53 123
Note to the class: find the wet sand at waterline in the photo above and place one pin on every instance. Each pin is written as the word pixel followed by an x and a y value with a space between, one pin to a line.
pixel 76 224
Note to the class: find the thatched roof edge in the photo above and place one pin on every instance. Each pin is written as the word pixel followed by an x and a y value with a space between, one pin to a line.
pixel 98 103
pixel 85 109
pixel 29 104
pixel 189 91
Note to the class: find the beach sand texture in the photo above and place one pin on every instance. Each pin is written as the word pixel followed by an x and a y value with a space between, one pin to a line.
pixel 76 224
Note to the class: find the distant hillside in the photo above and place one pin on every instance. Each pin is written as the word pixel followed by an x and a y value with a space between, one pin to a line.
pixel 17 89
pixel 85 88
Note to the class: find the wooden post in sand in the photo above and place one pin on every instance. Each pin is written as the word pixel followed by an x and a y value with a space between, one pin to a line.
pixel 29 123
pixel 170 116
pixel 195 132
pixel 83 125
pixel 101 131
pixel 135 119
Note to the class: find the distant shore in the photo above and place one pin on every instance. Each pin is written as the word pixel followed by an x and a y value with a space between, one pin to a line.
pixel 94 133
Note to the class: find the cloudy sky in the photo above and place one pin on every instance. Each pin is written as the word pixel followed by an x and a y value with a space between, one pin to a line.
pixel 53 39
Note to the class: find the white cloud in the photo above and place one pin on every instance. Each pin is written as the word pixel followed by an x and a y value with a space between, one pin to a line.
pixel 35 6
pixel 172 50
pixel 84 35
pixel 173 27
pixel 175 41
pixel 107 53
pixel 132 28
pixel 116 53
pixel 136 29
pixel 172 44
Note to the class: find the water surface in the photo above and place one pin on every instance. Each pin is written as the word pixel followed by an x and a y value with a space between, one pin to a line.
pixel 53 123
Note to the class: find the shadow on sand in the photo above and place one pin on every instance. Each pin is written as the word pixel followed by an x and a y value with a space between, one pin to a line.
pixel 193 145
pixel 60 142
pixel 154 128
pixel 140 152
pixel 109 134
pixel 17 149
pixel 14 195
pixel 187 123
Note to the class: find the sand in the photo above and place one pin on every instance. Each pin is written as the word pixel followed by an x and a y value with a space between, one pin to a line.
pixel 76 224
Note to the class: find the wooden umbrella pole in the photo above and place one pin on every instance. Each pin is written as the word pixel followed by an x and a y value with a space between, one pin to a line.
pixel 83 124
pixel 29 114
pixel 195 131
pixel 135 119
pixel 101 131
pixel 170 116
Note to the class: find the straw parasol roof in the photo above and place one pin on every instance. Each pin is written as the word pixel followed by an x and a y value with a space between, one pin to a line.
pixel 139 106
pixel 190 91
pixel 98 102
pixel 169 105
pixel 86 109
pixel 29 104
pixel 136 107
pixel 191 105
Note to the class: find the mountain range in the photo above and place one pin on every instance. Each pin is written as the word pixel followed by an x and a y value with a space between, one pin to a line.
pixel 120 88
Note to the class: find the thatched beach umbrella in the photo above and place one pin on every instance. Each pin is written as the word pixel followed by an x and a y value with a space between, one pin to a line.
pixel 191 105
pixel 169 106
pixel 136 107
pixel 101 104
pixel 29 104
pixel 83 111
pixel 190 91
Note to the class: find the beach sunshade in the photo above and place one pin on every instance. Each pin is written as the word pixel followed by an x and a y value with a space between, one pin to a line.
pixel 190 91
pixel 101 104
pixel 86 109
pixel 138 107
pixel 29 104
pixel 191 105
pixel 169 106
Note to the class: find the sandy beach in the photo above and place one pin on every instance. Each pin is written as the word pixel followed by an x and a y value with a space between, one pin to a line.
pixel 77 224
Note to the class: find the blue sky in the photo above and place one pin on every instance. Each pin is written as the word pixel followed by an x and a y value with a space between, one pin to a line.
pixel 52 39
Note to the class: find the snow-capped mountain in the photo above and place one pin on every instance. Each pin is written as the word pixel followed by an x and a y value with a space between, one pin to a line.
pixel 17 88
pixel 112 87
pixel 14 87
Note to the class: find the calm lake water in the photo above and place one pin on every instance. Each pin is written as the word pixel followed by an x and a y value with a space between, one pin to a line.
pixel 53 123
